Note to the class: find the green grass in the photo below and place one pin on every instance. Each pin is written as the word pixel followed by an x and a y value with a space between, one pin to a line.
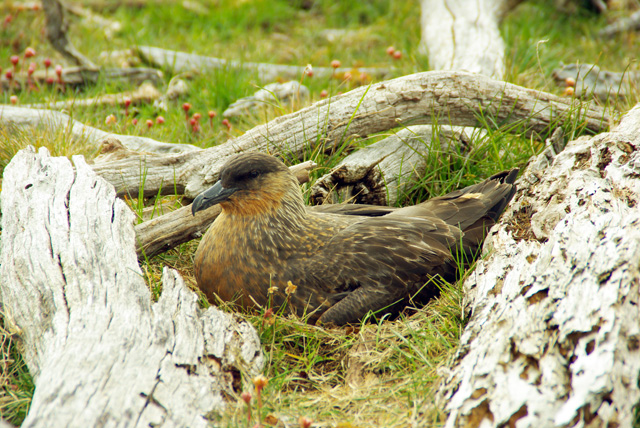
pixel 382 373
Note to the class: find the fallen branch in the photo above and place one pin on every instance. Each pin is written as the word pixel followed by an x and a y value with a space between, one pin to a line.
pixel 99 350
pixel 170 230
pixel 589 80
pixel 553 337
pixel 382 172
pixel 57 27
pixel 145 94
pixel 463 35
pixel 57 122
pixel 451 98
pixel 630 23
pixel 179 62
pixel 81 76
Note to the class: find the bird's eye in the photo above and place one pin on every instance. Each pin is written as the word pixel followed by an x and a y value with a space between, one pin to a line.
pixel 254 173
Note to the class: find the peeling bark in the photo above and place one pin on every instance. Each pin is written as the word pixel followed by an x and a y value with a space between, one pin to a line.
pixel 553 337
pixel 100 351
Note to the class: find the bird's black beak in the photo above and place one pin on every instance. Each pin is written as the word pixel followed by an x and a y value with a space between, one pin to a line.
pixel 211 196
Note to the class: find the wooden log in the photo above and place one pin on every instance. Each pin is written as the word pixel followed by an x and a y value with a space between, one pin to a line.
pixel 382 172
pixel 445 97
pixel 463 35
pixel 630 23
pixel 170 230
pixel 180 62
pixel 100 351
pixel 57 27
pixel 588 80
pixel 82 76
pixel 145 94
pixel 553 339
pixel 58 121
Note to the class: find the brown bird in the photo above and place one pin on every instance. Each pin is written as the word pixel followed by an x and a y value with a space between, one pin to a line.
pixel 345 260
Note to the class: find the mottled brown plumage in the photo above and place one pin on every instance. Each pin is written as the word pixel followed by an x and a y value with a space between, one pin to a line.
pixel 345 260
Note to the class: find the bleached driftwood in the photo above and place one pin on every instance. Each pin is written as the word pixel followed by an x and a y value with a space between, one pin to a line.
pixel 100 351
pixel 91 19
pixel 146 93
pixel 590 80
pixel 445 97
pixel 383 171
pixel 553 339
pixel 170 230
pixel 463 35
pixel 57 27
pixel 81 76
pixel 630 23
pixel 272 94
pixel 180 62
pixel 58 122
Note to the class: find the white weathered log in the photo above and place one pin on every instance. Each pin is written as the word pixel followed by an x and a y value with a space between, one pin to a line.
pixel 384 171
pixel 179 62
pixel 100 351
pixel 630 23
pixel 58 122
pixel 463 35
pixel 589 80
pixel 444 97
pixel 145 94
pixel 57 26
pixel 554 339
pixel 272 94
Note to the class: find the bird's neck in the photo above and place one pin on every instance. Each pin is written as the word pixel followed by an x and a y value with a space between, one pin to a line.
pixel 274 215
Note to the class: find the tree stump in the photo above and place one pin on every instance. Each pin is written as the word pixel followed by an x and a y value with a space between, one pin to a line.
pixel 100 351
pixel 553 339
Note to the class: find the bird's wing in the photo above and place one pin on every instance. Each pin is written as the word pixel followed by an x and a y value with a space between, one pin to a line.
pixel 378 262
pixel 352 209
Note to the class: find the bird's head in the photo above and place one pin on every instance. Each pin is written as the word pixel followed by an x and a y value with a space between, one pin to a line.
pixel 250 184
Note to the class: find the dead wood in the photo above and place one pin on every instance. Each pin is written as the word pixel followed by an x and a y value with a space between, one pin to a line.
pixel 145 94
pixel 552 339
pixel 452 98
pixel 272 94
pixel 170 230
pixel 59 122
pixel 383 172
pixel 82 76
pixel 109 26
pixel 179 62
pixel 464 35
pixel 100 351
pixel 57 27
pixel 589 80
pixel 630 23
